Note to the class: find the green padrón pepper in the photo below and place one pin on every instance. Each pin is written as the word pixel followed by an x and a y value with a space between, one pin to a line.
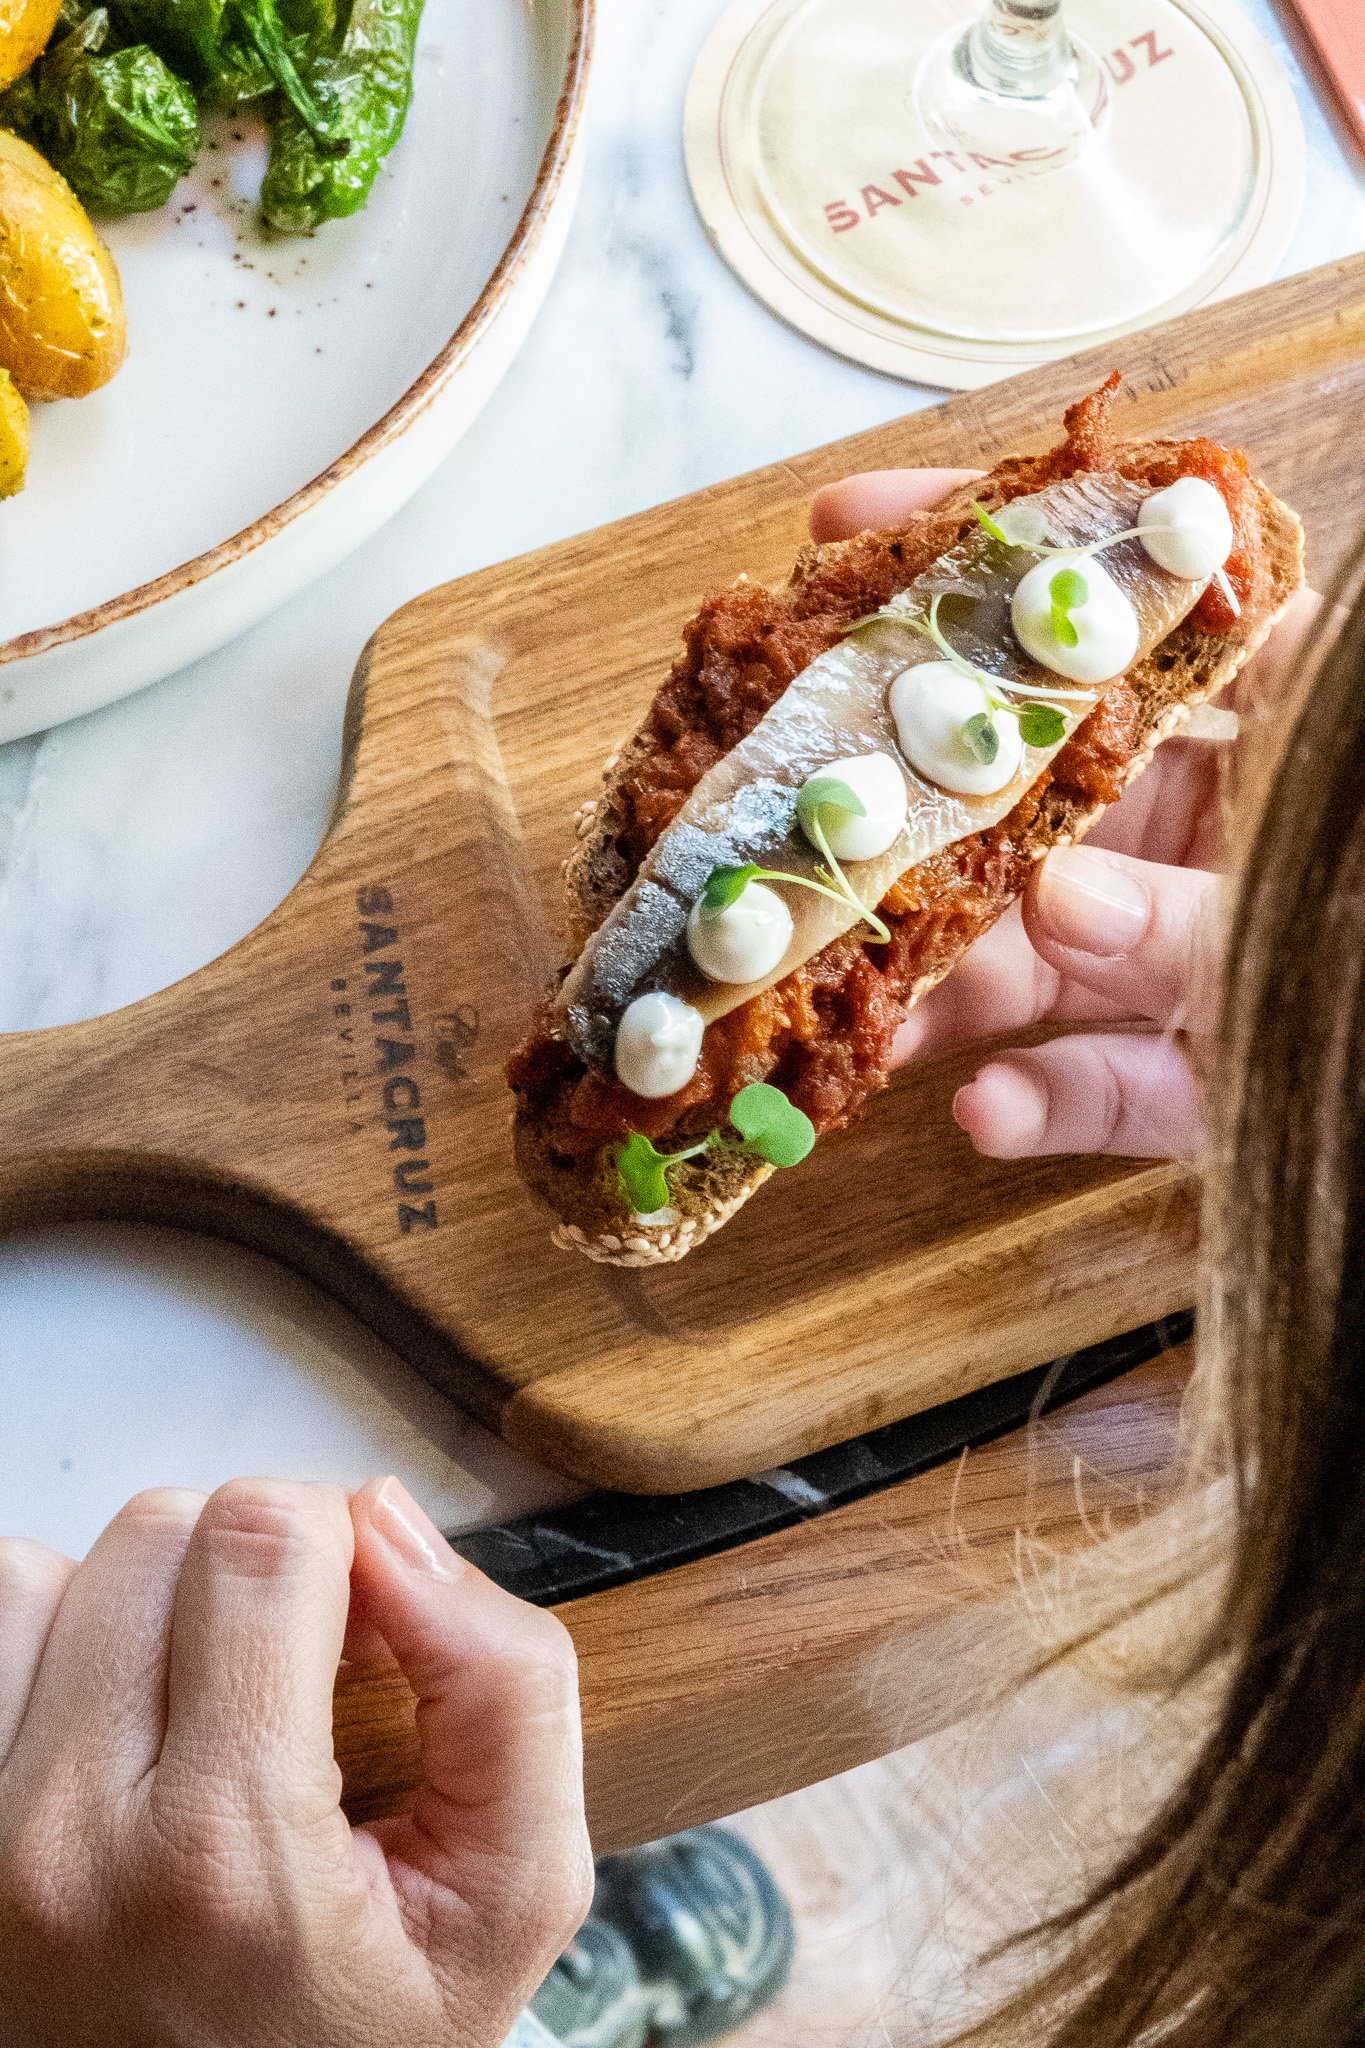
pixel 365 83
pixel 229 50
pixel 241 73
pixel 121 128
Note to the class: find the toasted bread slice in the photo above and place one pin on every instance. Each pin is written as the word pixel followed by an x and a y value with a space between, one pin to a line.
pixel 1185 670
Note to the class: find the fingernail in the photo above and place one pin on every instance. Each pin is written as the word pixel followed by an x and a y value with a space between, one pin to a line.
pixel 398 1519
pixel 1091 903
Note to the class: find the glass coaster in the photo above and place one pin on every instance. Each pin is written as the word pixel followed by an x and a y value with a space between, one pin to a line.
pixel 840 198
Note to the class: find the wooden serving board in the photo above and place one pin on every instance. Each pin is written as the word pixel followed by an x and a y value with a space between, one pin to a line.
pixel 330 1090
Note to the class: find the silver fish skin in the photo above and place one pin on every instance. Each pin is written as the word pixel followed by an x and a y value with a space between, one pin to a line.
pixel 744 808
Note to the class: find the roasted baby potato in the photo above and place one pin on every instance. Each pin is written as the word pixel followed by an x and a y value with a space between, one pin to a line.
pixel 13 438
pixel 62 329
pixel 15 151
pixel 25 26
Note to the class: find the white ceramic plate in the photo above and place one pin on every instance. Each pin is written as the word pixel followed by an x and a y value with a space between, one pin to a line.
pixel 281 399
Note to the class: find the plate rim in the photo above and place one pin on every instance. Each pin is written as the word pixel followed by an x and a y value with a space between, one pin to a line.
pixel 391 425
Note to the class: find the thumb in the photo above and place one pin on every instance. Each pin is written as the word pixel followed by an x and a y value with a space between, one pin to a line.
pixel 880 498
pixel 1145 937
pixel 491 1866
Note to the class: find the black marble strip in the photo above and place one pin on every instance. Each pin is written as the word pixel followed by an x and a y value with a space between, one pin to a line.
pixel 609 1539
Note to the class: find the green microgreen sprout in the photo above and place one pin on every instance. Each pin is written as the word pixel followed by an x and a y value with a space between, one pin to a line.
pixel 771 1125
pixel 827 790
pixel 906 608
pixel 642 1172
pixel 1041 725
pixel 828 793
pixel 1061 623
pixel 1081 552
pixel 956 660
pixel 981 737
pixel 991 528
pixel 992 685
pixel 1068 591
pixel 1221 579
pixel 768 1123
pixel 725 886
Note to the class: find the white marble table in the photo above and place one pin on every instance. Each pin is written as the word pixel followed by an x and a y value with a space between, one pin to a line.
pixel 138 843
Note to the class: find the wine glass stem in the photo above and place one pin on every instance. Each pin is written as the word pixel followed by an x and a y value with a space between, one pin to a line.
pixel 1019 47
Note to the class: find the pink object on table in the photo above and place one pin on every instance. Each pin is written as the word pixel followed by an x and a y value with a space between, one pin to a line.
pixel 1338 30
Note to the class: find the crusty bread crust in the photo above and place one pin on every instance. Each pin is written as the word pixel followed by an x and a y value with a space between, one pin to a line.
pixel 1188 668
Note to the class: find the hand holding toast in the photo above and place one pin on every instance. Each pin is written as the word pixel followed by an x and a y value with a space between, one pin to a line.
pixel 1122 931
pixel 958 679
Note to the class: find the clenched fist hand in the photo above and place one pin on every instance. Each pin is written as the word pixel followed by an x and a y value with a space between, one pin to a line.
pixel 175 1871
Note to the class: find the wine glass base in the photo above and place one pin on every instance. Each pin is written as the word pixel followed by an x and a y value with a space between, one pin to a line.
pixel 1037 134
pixel 826 191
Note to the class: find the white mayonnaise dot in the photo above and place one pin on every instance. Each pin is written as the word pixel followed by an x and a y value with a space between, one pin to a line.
pixel 1106 624
pixel 930 705
pixel 744 941
pixel 658 1044
pixel 1198 535
pixel 879 783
